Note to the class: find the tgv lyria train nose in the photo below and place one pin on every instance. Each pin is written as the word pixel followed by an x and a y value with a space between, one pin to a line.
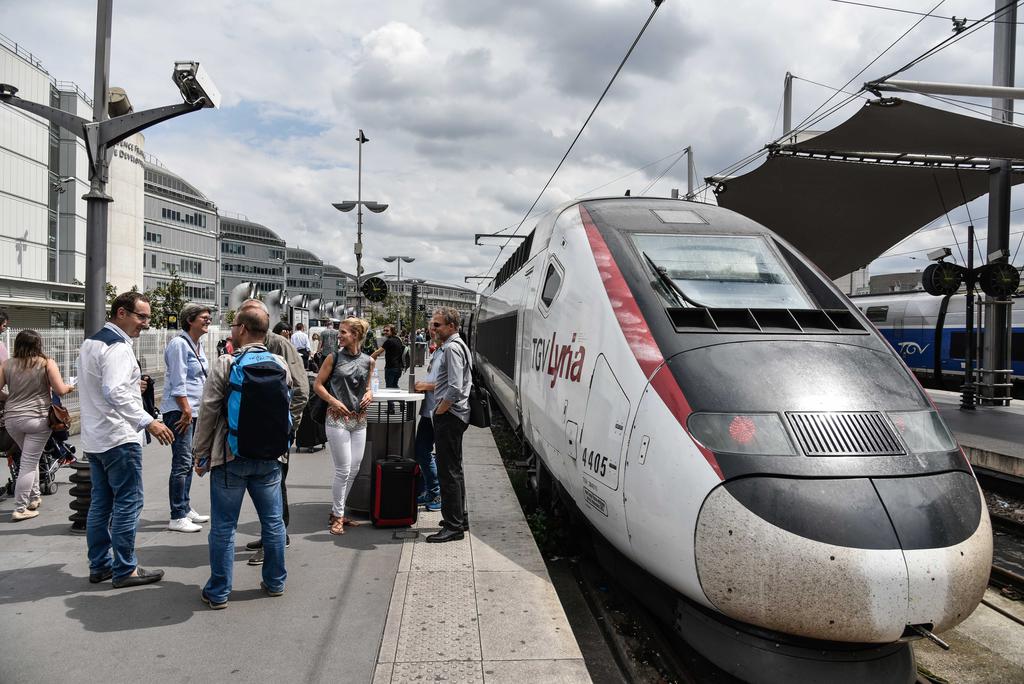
pixel 844 560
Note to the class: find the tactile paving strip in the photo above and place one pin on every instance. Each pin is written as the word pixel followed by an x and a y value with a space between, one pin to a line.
pixel 448 557
pixel 439 621
pixel 456 672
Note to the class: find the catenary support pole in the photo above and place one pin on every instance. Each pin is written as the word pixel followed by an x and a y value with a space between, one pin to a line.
pixel 787 104
pixel 996 350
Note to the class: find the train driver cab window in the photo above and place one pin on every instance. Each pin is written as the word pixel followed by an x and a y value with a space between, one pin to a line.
pixel 552 283
pixel 727 271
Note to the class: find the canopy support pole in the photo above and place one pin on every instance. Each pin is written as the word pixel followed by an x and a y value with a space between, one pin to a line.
pixel 996 384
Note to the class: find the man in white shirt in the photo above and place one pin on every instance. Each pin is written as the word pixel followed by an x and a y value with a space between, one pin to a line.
pixel 300 340
pixel 112 423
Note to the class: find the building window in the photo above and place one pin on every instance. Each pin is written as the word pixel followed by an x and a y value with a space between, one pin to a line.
pixel 154 237
pixel 191 266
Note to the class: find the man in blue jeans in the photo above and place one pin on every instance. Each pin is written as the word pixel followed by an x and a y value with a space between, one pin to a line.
pixel 232 475
pixel 112 422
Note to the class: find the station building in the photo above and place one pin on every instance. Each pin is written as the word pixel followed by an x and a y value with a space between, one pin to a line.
pixel 180 236
pixel 305 272
pixel 43 175
pixel 249 251
pixel 335 287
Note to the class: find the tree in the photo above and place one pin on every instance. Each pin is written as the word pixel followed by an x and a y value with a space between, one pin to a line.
pixel 229 316
pixel 167 299
pixel 111 292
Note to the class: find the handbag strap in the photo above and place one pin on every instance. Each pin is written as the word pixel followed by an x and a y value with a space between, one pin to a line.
pixel 194 348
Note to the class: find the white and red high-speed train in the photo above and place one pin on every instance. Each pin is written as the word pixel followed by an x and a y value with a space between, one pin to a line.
pixel 726 419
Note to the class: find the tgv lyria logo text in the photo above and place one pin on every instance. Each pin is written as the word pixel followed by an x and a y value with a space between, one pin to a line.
pixel 559 360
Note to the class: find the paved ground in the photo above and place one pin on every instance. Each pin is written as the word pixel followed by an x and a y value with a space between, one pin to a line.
pixel 480 610
pixel 327 626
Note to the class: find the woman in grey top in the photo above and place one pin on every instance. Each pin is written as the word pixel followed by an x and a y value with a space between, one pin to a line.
pixel 30 377
pixel 348 372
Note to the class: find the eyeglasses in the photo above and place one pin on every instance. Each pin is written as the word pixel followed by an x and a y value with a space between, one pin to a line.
pixel 145 318
pixel 437 325
pixel 204 319
pixel 236 325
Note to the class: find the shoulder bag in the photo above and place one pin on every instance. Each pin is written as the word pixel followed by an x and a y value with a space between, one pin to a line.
pixel 479 398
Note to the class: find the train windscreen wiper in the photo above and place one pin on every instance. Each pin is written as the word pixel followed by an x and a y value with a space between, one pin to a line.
pixel 667 281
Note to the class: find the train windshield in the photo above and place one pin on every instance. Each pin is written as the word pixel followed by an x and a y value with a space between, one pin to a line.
pixel 723 271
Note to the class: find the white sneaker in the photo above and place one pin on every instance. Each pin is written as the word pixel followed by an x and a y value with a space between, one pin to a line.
pixel 183 525
pixel 197 518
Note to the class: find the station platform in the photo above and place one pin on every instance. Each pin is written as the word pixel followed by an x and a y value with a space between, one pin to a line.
pixel 992 437
pixel 369 606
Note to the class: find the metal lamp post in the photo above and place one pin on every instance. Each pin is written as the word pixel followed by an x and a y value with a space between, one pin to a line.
pixel 100 135
pixel 358 204
pixel 398 283
pixel 60 187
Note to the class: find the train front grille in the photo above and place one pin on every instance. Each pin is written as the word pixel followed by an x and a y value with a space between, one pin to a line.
pixel 844 433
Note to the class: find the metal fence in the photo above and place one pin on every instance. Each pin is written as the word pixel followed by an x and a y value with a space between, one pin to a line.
pixel 62 344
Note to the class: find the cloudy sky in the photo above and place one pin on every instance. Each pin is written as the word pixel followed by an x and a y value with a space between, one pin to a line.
pixel 469 104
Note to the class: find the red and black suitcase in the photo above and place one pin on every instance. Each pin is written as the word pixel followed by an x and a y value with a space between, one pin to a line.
pixel 394 492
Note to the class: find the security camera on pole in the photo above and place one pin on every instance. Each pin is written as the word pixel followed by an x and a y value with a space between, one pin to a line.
pixel 358 204
pixel 100 135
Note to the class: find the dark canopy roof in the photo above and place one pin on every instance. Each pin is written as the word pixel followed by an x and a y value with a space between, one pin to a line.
pixel 847 195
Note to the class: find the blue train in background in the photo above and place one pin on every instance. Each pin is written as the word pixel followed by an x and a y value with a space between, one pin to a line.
pixel 908 319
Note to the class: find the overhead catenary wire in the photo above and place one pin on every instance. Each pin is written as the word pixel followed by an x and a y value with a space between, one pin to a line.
pixel 946 42
pixel 657 5
pixel 928 249
pixel 920 14
pixel 945 211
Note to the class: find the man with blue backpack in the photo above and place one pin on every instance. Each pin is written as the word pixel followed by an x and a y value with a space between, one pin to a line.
pixel 243 430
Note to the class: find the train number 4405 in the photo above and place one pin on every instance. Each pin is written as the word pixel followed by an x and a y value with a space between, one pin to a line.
pixel 595 462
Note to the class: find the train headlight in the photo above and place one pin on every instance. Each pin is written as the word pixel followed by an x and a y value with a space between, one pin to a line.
pixel 922 431
pixel 741 433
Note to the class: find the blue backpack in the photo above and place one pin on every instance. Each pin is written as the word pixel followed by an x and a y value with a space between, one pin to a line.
pixel 259 420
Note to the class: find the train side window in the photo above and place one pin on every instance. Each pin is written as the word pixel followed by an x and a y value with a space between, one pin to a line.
pixel 877 314
pixel 552 283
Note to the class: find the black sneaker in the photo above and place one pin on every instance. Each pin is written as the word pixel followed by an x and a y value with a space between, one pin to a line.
pixel 256 558
pixel 213 605
pixel 258 544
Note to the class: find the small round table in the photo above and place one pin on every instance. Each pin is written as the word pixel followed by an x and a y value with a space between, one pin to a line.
pixel 390 431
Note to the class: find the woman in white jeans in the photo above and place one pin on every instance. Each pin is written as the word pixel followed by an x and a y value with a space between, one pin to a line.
pixel 348 373
pixel 29 377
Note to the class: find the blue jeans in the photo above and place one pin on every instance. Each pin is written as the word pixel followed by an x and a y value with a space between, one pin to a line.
pixel 228 483
pixel 180 482
pixel 428 484
pixel 115 509
pixel 392 376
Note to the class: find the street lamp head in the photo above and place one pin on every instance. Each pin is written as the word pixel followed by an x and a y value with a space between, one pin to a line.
pixel 408 260
pixel 195 84
pixel 345 206
pixel 375 207
pixel 362 137
pixel 7 90
pixel 389 259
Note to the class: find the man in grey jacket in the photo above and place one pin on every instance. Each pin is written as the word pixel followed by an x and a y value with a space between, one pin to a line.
pixel 276 344
pixel 451 418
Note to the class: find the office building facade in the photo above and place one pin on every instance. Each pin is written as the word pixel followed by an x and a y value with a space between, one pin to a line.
pixel 249 252
pixel 180 235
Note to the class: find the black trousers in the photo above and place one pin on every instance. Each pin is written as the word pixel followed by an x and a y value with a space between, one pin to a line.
pixel 448 431
pixel 284 492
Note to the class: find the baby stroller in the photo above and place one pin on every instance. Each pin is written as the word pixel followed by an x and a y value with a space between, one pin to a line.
pixel 56 454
